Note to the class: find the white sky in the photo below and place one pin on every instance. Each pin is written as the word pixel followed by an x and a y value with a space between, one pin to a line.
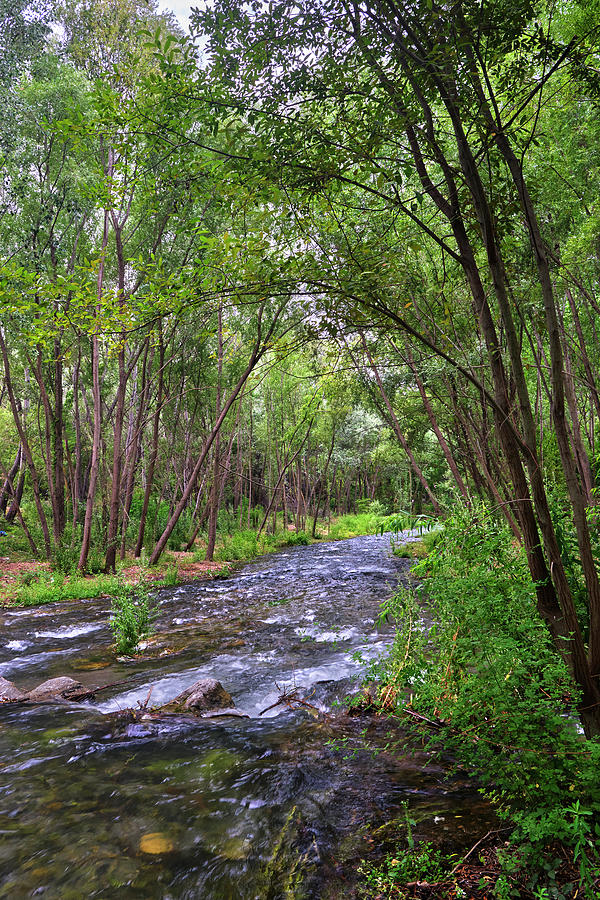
pixel 181 8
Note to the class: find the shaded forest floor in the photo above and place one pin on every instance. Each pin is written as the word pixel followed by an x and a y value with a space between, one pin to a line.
pixel 484 878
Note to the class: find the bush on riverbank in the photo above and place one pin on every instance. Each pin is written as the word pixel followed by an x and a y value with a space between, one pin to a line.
pixel 490 686
pixel 350 526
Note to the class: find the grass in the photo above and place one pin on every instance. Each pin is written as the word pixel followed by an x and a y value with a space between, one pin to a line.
pixel 36 589
pixel 414 550
pixel 246 544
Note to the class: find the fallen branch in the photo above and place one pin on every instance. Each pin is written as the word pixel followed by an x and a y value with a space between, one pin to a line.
pixel 217 713
pixel 435 723
pixel 475 846
pixel 104 687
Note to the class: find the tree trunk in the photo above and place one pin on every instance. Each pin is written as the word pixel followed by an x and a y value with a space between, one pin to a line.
pixel 215 494
pixel 97 404
pixel 153 449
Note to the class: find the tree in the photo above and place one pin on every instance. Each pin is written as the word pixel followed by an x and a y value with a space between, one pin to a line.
pixel 429 116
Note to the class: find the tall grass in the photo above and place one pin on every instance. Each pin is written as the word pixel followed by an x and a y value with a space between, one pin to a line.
pixel 350 526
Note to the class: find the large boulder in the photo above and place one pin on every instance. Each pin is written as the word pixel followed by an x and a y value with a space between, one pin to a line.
pixel 63 688
pixel 10 692
pixel 201 697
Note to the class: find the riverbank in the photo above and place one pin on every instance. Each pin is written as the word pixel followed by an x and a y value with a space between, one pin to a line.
pixel 474 674
pixel 27 582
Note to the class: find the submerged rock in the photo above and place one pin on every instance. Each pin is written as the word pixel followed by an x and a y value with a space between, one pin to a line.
pixel 63 688
pixel 9 692
pixel 156 842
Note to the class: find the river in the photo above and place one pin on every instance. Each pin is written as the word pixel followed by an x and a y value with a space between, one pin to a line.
pixel 277 805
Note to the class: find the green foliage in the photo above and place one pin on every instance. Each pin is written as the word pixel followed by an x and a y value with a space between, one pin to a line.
pixel 420 862
pixel 406 521
pixel 14 543
pixel 50 587
pixel 297 538
pixel 171 576
pixel 375 507
pixel 489 674
pixel 131 618
pixel 349 526
pixel 569 552
pixel 240 545
pixel 66 555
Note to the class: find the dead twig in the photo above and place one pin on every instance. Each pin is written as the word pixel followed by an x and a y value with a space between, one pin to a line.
pixel 475 846
pixel 143 706
pixel 435 723
pixel 104 687
pixel 289 697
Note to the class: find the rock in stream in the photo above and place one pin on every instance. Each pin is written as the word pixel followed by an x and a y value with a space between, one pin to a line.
pixel 206 698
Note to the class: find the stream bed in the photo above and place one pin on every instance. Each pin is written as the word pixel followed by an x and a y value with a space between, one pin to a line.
pixel 277 805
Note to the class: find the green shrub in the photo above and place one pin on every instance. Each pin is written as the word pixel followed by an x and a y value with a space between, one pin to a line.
pixel 171 576
pixel 14 543
pixel 297 538
pixel 66 555
pixel 239 545
pixel 430 539
pixel 375 507
pixel 421 862
pixel 349 526
pixel 95 560
pixel 131 618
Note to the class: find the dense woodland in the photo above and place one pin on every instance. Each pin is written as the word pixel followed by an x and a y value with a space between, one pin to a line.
pixel 339 254
pixel 316 258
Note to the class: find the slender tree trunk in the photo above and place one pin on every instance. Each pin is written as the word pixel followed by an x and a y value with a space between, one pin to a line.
pixel 258 350
pixel 437 431
pixel 77 475
pixel 216 483
pixel 153 449
pixel 323 482
pixel 58 437
pixel 282 473
pixel 134 447
pixel 97 402
pixel 15 508
pixel 117 461
pixel 35 483
pixel 38 369
pixel 7 490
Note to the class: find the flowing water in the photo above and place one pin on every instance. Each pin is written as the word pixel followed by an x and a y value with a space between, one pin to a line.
pixel 282 804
